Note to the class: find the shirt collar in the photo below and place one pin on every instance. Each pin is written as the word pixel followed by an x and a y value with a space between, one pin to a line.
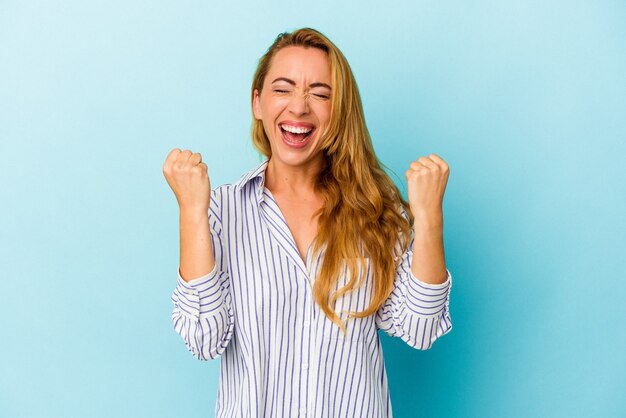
pixel 256 172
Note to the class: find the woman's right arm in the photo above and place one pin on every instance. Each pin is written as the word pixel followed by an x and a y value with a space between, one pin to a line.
pixel 202 314
pixel 196 248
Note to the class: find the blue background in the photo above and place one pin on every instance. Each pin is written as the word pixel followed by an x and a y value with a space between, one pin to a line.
pixel 526 101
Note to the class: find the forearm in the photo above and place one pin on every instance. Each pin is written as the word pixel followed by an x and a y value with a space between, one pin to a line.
pixel 196 247
pixel 429 264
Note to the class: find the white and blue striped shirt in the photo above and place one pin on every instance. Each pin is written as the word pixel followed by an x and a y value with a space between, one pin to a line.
pixel 280 355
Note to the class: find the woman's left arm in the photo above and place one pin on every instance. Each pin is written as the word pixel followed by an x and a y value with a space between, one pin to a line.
pixel 418 308
pixel 427 178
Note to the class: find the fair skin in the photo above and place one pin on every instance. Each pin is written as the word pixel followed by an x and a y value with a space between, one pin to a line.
pixel 296 92
pixel 188 178
pixel 427 178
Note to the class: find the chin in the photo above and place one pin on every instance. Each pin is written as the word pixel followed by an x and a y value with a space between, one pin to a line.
pixel 292 158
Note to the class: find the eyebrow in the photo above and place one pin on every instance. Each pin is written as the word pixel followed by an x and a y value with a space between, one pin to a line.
pixel 293 83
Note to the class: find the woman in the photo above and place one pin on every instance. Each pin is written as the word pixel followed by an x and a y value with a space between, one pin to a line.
pixel 301 260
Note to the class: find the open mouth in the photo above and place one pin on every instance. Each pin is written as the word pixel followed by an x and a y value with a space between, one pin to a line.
pixel 296 135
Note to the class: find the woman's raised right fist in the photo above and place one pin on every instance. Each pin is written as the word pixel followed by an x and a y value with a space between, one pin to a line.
pixel 188 178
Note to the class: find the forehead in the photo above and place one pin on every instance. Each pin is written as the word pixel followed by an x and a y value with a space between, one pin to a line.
pixel 300 64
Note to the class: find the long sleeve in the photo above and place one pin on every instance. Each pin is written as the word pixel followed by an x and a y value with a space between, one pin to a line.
pixel 416 311
pixel 203 314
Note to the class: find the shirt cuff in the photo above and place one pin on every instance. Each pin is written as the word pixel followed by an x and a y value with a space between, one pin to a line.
pixel 433 286
pixel 198 295
pixel 426 298
pixel 196 281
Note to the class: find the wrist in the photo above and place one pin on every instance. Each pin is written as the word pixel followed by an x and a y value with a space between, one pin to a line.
pixel 429 223
pixel 193 214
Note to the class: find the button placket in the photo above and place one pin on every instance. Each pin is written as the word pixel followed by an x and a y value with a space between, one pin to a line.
pixel 308 353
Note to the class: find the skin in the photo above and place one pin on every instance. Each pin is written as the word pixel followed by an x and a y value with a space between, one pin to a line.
pixel 295 90
pixel 427 178
pixel 188 178
pixel 290 169
pixel 292 91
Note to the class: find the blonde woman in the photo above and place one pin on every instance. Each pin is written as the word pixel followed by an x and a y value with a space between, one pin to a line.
pixel 307 255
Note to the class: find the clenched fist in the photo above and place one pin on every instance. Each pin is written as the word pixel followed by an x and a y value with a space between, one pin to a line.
pixel 426 182
pixel 188 177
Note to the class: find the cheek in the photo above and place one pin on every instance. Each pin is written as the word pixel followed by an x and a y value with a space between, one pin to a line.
pixel 324 115
pixel 273 106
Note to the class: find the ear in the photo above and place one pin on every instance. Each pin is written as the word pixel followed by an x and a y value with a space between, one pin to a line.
pixel 256 105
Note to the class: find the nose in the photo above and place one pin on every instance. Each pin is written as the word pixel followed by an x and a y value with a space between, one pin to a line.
pixel 299 103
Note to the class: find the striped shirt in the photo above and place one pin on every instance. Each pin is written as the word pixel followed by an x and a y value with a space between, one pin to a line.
pixel 280 355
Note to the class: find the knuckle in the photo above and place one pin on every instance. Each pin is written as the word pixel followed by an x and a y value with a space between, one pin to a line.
pixel 171 156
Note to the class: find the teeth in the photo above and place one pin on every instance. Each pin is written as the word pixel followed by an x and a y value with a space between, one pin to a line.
pixel 296 130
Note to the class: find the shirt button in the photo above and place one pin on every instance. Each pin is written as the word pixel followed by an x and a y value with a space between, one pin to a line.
pixel 305 366
pixel 307 323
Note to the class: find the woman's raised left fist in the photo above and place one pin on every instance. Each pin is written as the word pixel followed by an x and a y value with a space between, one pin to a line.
pixel 426 179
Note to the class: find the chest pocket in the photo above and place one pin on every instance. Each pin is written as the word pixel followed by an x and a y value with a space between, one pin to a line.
pixel 354 301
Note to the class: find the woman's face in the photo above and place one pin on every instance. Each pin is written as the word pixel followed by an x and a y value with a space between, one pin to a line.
pixel 295 103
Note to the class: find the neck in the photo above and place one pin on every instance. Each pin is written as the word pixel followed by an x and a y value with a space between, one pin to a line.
pixel 292 180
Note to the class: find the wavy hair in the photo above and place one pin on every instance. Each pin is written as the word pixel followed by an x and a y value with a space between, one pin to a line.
pixel 361 215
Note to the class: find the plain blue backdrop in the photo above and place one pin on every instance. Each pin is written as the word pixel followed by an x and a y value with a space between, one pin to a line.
pixel 526 101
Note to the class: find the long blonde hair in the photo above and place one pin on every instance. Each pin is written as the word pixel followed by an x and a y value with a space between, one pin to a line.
pixel 361 214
